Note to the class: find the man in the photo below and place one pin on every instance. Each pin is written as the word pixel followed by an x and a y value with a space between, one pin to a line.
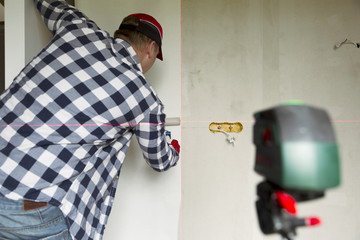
pixel 66 122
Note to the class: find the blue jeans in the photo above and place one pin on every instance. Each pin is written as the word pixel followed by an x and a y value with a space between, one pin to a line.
pixel 46 223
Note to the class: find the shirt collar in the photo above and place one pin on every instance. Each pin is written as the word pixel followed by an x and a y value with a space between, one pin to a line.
pixel 134 59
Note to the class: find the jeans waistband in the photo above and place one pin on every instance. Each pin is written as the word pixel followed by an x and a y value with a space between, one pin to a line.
pixel 9 204
pixel 24 205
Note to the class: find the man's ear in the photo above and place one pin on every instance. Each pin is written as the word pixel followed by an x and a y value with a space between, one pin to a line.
pixel 150 49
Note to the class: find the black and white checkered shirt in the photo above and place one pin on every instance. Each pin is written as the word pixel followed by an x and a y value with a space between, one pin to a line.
pixel 67 119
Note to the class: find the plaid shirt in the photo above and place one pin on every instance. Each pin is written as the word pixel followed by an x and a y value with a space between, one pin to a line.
pixel 67 119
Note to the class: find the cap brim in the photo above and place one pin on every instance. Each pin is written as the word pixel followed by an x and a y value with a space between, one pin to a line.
pixel 160 56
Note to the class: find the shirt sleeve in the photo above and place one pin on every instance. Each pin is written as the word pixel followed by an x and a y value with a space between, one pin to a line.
pixel 57 14
pixel 151 137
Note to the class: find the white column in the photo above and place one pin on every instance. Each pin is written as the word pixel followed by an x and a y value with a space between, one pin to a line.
pixel 25 36
pixel 14 39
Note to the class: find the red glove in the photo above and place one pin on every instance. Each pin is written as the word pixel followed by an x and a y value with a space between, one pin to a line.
pixel 176 145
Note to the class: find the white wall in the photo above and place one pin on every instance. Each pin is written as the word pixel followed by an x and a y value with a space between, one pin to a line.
pixel 25 36
pixel 14 39
pixel 240 56
pixel 147 204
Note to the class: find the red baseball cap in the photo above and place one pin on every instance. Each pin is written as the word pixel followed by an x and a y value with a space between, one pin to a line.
pixel 149 27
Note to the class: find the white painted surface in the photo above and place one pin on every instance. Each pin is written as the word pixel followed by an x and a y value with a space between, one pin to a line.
pixel 240 56
pixel 14 39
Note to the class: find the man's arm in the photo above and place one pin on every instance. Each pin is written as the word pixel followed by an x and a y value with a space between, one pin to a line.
pixel 57 13
pixel 150 134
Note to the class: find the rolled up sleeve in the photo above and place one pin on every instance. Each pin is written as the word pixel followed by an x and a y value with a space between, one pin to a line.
pixel 150 133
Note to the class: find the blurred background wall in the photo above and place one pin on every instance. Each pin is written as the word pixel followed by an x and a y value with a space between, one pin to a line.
pixel 241 56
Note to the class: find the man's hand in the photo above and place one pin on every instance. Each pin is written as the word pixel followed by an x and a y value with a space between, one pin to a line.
pixel 176 145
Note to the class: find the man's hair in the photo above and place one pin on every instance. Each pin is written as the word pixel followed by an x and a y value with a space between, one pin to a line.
pixel 135 38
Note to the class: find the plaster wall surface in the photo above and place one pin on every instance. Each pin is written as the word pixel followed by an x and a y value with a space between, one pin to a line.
pixel 242 56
